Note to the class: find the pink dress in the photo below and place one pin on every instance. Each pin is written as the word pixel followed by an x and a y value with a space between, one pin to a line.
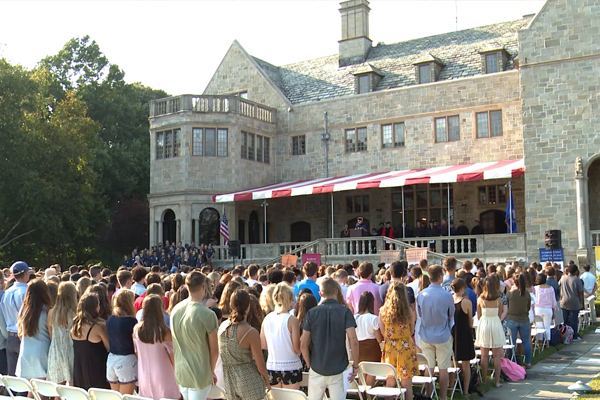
pixel 156 374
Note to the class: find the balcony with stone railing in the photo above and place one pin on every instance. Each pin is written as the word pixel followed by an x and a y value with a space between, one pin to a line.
pixel 212 104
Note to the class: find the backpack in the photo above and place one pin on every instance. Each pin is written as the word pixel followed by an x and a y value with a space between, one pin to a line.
pixel 513 371
pixel 473 383
pixel 554 337
pixel 566 334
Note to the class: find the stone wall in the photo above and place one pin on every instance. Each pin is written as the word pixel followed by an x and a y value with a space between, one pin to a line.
pixel 560 71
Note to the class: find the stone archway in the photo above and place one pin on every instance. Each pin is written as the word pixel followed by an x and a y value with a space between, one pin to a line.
pixel 593 196
pixel 169 226
pixel 210 222
pixel 300 232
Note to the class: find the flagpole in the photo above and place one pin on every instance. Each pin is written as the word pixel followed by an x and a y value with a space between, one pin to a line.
pixel 511 205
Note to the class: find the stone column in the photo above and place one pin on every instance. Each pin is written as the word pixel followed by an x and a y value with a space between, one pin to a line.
pixel 583 251
pixel 160 232
pixel 152 229
pixel 197 228
pixel 177 230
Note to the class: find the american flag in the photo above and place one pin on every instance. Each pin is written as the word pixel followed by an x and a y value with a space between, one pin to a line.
pixel 224 229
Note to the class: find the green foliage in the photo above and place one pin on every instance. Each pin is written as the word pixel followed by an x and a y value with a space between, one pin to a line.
pixel 74 159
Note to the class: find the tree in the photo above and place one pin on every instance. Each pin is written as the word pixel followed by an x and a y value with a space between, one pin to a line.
pixel 48 192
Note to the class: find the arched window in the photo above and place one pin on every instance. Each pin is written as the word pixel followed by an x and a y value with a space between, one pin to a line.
pixel 169 226
pixel 253 228
pixel 210 222
pixel 300 232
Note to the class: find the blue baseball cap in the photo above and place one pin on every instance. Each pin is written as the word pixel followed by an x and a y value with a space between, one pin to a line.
pixel 19 268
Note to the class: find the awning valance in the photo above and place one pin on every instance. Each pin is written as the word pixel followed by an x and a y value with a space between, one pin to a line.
pixel 449 174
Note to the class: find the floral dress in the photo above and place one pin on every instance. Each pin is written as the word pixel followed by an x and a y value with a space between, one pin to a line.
pixel 399 350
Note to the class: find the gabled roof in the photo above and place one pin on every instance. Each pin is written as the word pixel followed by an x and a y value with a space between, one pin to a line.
pixel 323 78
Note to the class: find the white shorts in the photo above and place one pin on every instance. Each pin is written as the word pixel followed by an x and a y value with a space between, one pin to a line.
pixel 121 369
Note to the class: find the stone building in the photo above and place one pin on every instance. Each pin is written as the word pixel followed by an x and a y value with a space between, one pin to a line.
pixel 518 93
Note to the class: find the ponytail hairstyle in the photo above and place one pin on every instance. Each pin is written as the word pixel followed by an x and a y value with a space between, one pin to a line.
pixel 366 303
pixel 239 303
pixel 283 297
pixel 521 283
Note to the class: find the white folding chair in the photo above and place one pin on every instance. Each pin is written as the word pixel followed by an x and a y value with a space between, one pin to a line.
pixel 217 392
pixel 286 394
pixel 454 369
pixel 423 381
pixel 381 369
pixel 509 346
pixel 44 388
pixel 104 394
pixel 538 328
pixel 134 397
pixel 17 385
pixel 357 389
pixel 72 393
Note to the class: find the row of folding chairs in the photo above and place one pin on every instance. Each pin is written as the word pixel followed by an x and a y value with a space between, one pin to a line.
pixel 40 389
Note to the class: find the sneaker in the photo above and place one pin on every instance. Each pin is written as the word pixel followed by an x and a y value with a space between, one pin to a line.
pixel 577 339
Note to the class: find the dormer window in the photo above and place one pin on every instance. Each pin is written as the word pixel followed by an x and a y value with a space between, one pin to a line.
pixel 494 60
pixel 428 69
pixel 363 84
pixel 491 63
pixel 425 73
pixel 366 79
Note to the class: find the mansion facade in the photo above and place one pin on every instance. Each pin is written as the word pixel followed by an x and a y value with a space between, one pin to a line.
pixel 522 92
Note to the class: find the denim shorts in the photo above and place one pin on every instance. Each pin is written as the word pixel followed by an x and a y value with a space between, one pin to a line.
pixel 121 369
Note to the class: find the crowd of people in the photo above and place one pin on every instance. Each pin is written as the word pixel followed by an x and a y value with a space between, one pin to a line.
pixel 174 334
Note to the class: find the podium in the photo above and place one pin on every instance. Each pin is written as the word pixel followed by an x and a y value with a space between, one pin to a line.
pixel 356 233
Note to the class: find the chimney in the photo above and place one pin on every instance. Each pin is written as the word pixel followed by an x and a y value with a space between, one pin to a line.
pixel 355 43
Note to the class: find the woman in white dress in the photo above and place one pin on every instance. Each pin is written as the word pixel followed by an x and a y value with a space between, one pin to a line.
pixel 60 321
pixel 490 333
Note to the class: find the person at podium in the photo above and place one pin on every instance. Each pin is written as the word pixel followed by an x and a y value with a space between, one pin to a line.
pixel 362 226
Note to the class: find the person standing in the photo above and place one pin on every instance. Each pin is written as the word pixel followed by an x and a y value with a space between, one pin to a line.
pixel 490 333
pixel 462 332
pixel 90 344
pixel 571 299
pixel 477 229
pixel 33 329
pixel 11 305
pixel 367 332
pixel 280 336
pixel 310 281
pixel 546 303
pixel 589 281
pixel 60 321
pixel 517 320
pixel 326 327
pixel 365 284
pixel 195 344
pixel 121 366
pixel 396 327
pixel 244 370
pixel 436 308
pixel 154 348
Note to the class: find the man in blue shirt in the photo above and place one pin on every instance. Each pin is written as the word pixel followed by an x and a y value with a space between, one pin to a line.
pixel 310 280
pixel 435 305
pixel 10 305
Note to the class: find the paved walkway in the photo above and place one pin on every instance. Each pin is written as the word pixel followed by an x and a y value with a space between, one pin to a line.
pixel 550 378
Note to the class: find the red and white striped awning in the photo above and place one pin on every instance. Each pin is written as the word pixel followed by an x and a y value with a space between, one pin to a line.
pixel 451 174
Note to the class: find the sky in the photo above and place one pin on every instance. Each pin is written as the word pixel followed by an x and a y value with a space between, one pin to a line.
pixel 177 45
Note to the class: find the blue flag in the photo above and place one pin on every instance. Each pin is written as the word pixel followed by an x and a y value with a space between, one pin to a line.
pixel 510 213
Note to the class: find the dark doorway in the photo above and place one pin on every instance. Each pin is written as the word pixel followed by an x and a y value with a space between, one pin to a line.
pixel 253 228
pixel 492 221
pixel 300 232
pixel 169 226
pixel 242 231
pixel 210 222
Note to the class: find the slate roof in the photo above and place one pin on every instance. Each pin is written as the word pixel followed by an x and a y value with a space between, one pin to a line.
pixel 323 78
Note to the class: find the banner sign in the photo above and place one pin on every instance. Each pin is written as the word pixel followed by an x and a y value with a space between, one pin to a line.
pixel 554 256
pixel 414 256
pixel 289 260
pixel 315 257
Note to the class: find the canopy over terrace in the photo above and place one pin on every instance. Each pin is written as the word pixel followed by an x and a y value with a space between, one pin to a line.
pixel 449 174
